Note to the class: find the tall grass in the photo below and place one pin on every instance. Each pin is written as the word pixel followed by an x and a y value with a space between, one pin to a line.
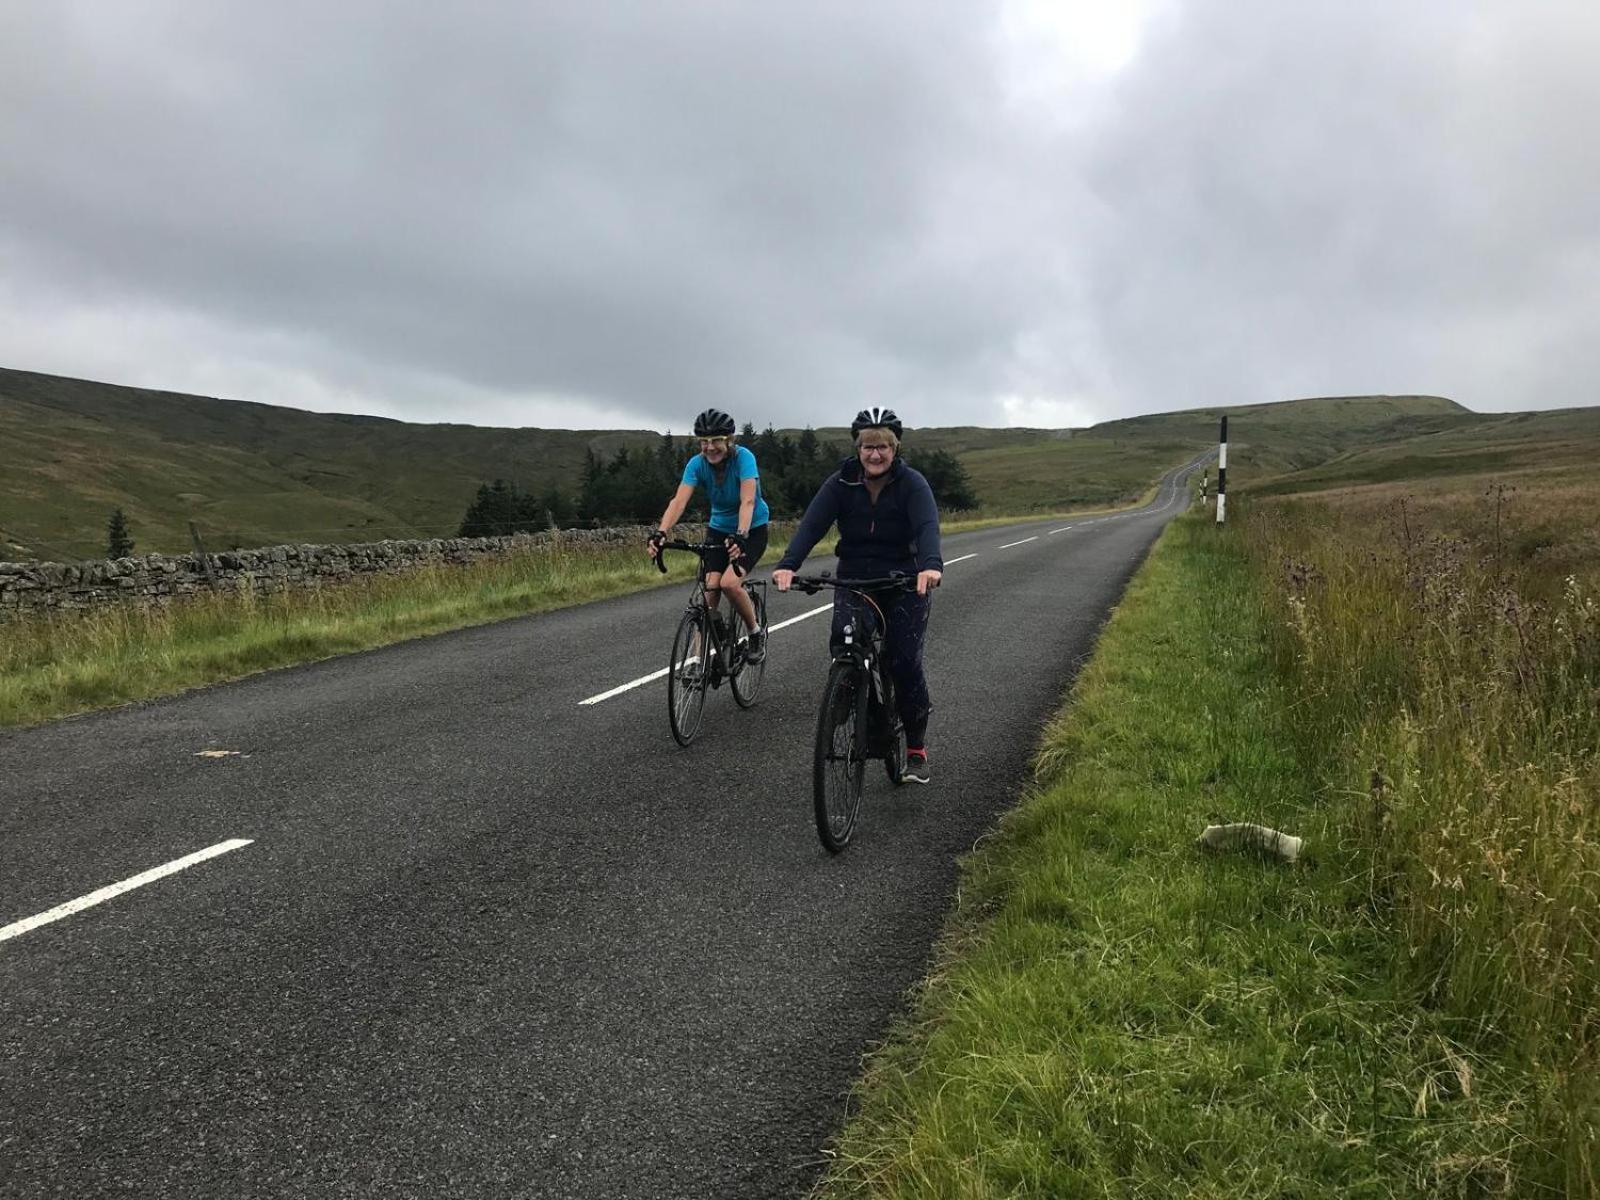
pixel 1448 668
pixel 1410 1010
pixel 51 666
pixel 1115 1013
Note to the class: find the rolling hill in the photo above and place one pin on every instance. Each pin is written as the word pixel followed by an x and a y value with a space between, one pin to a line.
pixel 256 474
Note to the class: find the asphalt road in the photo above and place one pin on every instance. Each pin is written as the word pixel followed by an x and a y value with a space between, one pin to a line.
pixel 486 940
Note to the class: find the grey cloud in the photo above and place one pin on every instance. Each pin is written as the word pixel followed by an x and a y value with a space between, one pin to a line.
pixel 1322 198
pixel 474 211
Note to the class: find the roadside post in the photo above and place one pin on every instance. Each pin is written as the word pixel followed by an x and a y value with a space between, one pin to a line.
pixel 205 559
pixel 1222 473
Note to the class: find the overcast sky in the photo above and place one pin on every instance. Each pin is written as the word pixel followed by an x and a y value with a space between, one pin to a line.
pixel 595 213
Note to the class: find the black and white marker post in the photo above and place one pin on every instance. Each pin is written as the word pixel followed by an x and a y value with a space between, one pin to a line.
pixel 1222 472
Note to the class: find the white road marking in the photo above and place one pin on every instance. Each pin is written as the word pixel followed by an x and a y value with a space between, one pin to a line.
pixel 633 683
pixel 1063 529
pixel 17 928
pixel 805 616
pixel 1023 542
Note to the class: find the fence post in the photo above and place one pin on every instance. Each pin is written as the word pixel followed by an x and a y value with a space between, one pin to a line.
pixel 205 559
pixel 1222 473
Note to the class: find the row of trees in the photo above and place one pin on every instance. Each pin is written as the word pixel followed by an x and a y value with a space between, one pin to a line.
pixel 635 485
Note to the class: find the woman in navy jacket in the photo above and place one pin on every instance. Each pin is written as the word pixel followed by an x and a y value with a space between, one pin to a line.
pixel 887 521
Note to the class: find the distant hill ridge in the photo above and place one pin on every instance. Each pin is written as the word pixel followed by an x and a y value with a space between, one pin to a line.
pixel 257 474
pixel 71 450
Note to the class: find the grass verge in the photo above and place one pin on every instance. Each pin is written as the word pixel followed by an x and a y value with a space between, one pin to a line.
pixel 55 666
pixel 1114 1013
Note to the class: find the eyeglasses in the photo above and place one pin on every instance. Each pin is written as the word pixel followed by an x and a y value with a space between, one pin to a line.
pixel 877 449
pixel 716 443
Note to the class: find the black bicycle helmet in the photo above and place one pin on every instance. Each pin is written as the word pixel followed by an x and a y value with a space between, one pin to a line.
pixel 713 423
pixel 875 418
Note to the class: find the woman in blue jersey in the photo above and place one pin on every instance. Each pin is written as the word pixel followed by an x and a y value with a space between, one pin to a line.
pixel 738 518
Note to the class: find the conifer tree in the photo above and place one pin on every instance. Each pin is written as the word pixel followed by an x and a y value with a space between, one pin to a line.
pixel 952 489
pixel 119 540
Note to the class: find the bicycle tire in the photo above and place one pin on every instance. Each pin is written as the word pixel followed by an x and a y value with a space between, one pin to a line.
pixel 838 765
pixel 686 697
pixel 747 678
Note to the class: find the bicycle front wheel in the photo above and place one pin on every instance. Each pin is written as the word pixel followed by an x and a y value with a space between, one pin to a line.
pixel 687 674
pixel 747 679
pixel 840 760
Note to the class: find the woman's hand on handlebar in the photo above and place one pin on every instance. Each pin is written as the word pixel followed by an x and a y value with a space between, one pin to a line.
pixel 927 581
pixel 782 579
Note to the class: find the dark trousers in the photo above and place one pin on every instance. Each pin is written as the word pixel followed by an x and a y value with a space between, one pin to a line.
pixel 907 615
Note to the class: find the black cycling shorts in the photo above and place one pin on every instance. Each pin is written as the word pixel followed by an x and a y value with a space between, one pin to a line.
pixel 755 545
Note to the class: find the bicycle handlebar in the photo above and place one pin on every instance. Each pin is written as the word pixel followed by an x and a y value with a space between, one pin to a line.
pixel 811 584
pixel 700 548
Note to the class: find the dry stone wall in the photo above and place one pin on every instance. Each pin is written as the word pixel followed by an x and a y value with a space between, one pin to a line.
pixel 154 579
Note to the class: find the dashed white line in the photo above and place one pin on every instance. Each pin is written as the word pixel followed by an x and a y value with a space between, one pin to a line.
pixel 17 928
pixel 1023 542
pixel 631 684
pixel 1063 529
pixel 655 675
pixel 802 617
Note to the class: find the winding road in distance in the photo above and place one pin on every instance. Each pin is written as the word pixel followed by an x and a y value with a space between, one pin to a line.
pixel 463 934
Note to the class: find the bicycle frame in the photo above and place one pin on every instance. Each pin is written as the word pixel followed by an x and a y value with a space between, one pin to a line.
pixel 707 649
pixel 858 677
pixel 871 660
pixel 723 630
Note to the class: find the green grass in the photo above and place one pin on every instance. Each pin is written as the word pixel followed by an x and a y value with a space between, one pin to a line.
pixel 51 667
pixel 1053 475
pixel 1487 446
pixel 252 473
pixel 1450 672
pixel 1114 1013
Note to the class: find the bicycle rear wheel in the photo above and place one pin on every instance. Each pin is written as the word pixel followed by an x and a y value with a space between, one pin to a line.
pixel 839 763
pixel 687 676
pixel 747 678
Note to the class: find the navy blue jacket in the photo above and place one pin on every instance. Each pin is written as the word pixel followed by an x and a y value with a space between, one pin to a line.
pixel 898 533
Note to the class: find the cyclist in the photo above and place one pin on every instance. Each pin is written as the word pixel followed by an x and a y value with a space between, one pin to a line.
pixel 888 521
pixel 739 517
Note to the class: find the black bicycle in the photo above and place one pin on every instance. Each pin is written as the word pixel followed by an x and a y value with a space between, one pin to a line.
pixel 859 719
pixel 708 649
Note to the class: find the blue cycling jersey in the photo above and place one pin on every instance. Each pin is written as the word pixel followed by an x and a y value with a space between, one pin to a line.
pixel 724 492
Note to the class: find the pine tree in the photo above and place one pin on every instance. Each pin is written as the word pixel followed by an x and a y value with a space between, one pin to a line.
pixel 500 508
pixel 119 540
pixel 952 489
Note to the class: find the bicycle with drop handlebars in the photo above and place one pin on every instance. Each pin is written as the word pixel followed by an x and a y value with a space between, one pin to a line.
pixel 708 649
pixel 859 719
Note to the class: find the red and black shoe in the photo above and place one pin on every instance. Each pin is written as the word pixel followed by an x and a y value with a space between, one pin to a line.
pixel 916 766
